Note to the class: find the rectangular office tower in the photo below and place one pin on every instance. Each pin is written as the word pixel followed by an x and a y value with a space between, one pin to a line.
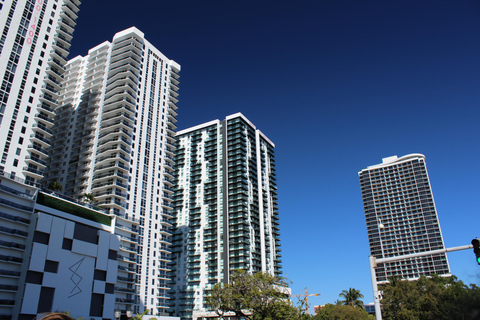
pixel 34 45
pixel 226 211
pixel 113 141
pixel 401 217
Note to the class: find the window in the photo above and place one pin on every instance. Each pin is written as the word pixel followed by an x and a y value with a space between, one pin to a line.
pixel 15 162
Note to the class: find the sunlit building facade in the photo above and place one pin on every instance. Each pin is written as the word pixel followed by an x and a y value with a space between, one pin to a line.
pixel 401 217
pixel 34 45
pixel 113 140
pixel 226 210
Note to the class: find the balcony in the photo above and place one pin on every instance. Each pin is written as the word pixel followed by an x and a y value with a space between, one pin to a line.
pixel 16 192
pixel 38 174
pixel 10 217
pixel 126 259
pixel 124 301
pixel 9 273
pixel 126 279
pixel 14 232
pixel 43 129
pixel 114 202
pixel 132 229
pixel 44 118
pixel 12 245
pixel 118 123
pixel 131 249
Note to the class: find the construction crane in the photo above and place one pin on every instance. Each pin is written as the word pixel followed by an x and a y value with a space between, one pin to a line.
pixel 306 295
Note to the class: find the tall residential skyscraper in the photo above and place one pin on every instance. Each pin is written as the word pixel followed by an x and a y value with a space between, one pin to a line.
pixel 34 45
pixel 401 217
pixel 226 210
pixel 114 139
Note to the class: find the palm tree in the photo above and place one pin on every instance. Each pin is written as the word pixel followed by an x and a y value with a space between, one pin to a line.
pixel 55 186
pixel 90 198
pixel 352 297
pixel 140 316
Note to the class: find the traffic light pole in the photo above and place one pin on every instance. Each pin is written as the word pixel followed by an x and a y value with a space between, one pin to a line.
pixel 373 264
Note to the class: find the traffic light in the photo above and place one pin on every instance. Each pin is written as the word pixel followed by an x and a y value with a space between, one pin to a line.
pixel 476 249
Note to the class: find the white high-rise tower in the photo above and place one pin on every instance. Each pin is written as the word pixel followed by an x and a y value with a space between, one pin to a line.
pixel 226 210
pixel 113 139
pixel 34 45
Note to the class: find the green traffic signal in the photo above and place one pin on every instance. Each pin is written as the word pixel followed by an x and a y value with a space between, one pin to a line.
pixel 476 249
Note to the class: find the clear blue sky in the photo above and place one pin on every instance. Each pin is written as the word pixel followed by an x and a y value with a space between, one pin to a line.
pixel 337 86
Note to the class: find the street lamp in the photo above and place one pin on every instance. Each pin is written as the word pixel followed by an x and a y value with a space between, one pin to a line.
pixel 129 314
pixel 118 314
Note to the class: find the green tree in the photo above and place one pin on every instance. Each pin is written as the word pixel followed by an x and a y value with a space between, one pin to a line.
pixel 352 297
pixel 341 312
pixel 255 297
pixel 55 186
pixel 428 298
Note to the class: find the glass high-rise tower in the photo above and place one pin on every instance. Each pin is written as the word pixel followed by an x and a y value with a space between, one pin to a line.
pixel 226 210
pixel 401 217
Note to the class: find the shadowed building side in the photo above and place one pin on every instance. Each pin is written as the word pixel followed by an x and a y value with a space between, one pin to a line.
pixel 401 217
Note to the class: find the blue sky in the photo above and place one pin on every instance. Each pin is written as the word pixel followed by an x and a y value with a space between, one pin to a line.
pixel 337 86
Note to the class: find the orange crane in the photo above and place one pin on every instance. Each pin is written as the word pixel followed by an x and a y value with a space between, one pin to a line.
pixel 306 295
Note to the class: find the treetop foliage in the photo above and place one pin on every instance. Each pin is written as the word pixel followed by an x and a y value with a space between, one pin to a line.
pixel 341 312
pixel 434 298
pixel 253 296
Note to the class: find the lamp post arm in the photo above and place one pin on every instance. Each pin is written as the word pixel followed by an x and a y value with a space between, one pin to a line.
pixel 422 254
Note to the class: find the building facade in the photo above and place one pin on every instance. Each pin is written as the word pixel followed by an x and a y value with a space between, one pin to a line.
pixel 17 202
pixel 55 254
pixel 113 140
pixel 73 263
pixel 34 45
pixel 401 217
pixel 226 210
